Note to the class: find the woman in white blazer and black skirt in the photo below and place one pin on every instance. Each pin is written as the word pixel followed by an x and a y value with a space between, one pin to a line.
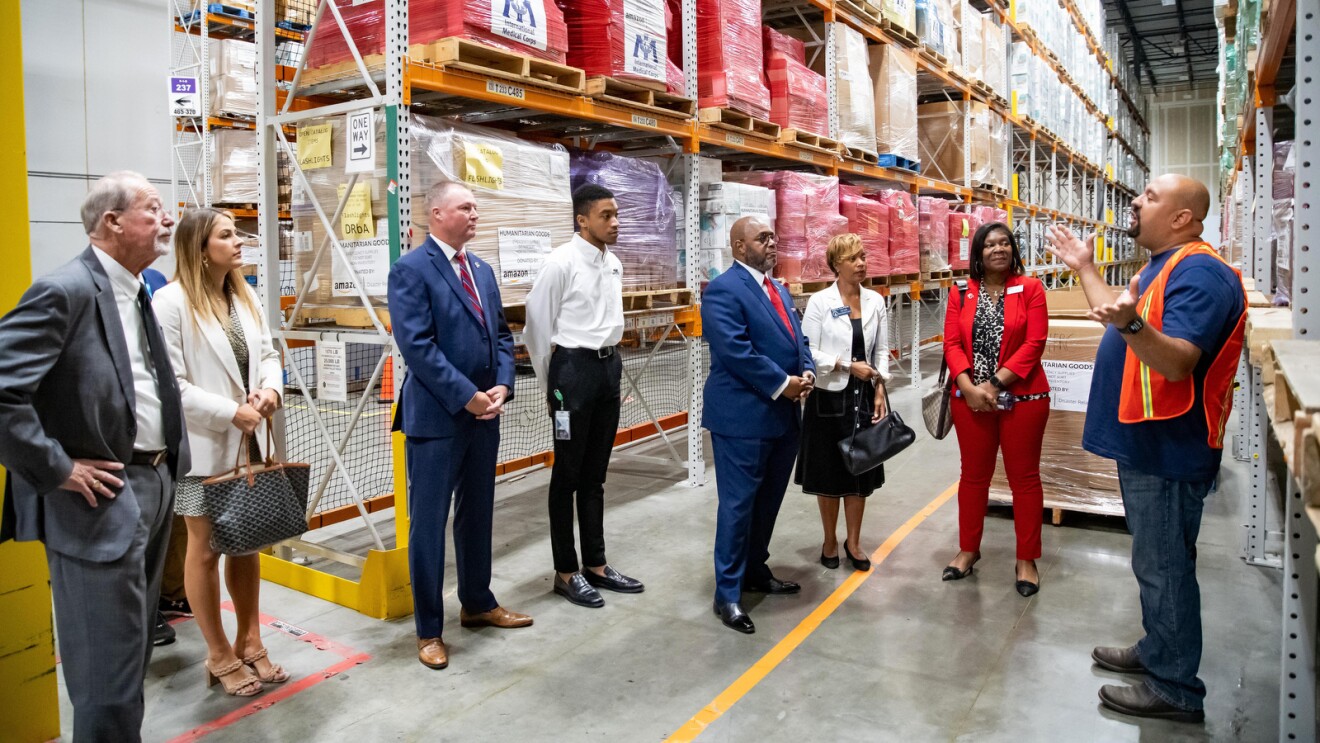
pixel 230 378
pixel 847 327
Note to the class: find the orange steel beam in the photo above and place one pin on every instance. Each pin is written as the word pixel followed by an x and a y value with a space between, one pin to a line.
pixel 1274 42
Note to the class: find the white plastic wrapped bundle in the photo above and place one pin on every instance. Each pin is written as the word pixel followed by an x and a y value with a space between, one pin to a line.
pixel 646 246
pixel 995 53
pixel 855 94
pixel 973 48
pixel 234 166
pixel 233 78
pixel 895 91
pixel 722 204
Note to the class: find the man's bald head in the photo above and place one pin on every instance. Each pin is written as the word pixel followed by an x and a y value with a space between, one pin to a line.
pixel 1171 211
pixel 752 240
pixel 1187 193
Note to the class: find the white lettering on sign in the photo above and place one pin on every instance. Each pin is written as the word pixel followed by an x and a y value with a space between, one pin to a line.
pixel 361 142
pixel 645 121
pixel 504 89
pixel 185 99
pixel 734 139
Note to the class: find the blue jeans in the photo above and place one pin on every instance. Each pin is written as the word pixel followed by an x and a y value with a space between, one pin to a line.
pixel 1164 517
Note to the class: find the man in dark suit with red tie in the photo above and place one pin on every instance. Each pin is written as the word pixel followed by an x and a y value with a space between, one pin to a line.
pixel 760 368
pixel 449 326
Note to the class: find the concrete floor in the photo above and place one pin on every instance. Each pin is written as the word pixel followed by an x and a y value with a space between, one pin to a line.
pixel 906 657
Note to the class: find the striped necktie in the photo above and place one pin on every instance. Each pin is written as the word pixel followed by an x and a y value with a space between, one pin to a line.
pixel 468 285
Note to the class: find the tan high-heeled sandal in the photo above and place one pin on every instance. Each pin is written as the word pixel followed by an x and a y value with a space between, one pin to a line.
pixel 277 673
pixel 242 685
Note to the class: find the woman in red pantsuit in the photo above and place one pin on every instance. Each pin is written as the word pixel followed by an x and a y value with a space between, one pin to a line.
pixel 993 341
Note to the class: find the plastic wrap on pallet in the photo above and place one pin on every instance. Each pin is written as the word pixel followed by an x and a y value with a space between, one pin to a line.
pixel 532 27
pixel 1281 240
pixel 1072 477
pixel 856 97
pixel 971 31
pixel 940 132
pixel 233 78
pixel 933 233
pixel 930 27
pixel 806 217
pixel 723 204
pixel 900 13
pixel 904 249
pixel 895 88
pixel 523 195
pixel 675 78
pixel 623 39
pixel 869 219
pixel 234 171
pixel 798 98
pixel 646 246
pixel 730 66
pixel 962 226
pixel 773 43
pixel 995 53
pixel 949 30
pixel 1285 170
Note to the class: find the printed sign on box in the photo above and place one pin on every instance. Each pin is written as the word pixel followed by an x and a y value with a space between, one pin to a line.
pixel 370 259
pixel 1070 384
pixel 522 253
pixel 644 38
pixel 483 165
pixel 522 21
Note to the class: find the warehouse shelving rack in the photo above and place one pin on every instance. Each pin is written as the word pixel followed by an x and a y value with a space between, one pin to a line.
pixel 1248 206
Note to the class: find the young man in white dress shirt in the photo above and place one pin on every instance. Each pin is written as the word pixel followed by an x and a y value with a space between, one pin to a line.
pixel 574 323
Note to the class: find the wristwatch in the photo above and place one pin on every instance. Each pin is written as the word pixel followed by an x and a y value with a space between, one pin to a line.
pixel 998 383
pixel 1131 327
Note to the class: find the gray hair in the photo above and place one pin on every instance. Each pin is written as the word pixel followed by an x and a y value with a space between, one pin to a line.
pixel 440 190
pixel 113 192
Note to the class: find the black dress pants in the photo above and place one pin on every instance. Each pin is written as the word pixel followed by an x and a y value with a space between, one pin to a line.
pixel 589 387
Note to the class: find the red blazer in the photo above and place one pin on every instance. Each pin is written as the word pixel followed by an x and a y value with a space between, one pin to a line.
pixel 1026 326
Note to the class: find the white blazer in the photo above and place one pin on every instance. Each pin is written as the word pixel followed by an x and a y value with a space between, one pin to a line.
pixel 828 328
pixel 208 375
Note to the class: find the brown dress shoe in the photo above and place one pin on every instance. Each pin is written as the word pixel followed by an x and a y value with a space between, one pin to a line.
pixel 497 617
pixel 432 653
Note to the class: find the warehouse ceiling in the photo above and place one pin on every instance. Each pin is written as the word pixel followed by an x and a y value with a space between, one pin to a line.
pixel 1169 44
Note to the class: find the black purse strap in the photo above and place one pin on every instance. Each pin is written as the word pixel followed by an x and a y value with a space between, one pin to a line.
pixel 944 358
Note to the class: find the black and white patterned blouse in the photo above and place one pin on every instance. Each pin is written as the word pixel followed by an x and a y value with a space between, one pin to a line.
pixel 987 335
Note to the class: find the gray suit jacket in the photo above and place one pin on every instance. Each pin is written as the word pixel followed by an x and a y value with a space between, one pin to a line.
pixel 66 392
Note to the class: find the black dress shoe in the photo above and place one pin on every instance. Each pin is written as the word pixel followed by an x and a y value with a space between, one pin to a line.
pixel 952 573
pixel 1118 660
pixel 859 563
pixel 774 587
pixel 1026 588
pixel 1140 701
pixel 734 617
pixel 829 562
pixel 613 580
pixel 578 591
pixel 162 633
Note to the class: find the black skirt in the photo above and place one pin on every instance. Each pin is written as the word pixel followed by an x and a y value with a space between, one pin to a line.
pixel 827 418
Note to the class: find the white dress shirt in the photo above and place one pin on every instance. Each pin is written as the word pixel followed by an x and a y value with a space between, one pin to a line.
pixel 450 252
pixel 150 421
pixel 760 278
pixel 576 302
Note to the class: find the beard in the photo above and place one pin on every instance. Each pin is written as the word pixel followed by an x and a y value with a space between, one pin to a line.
pixel 1134 230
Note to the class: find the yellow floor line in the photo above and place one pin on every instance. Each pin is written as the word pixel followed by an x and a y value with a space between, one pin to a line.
pixel 762 668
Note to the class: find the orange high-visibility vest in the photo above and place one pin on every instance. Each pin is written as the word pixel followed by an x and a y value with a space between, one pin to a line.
pixel 1147 396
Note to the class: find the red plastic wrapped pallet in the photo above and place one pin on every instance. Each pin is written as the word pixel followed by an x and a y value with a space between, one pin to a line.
pixel 904 250
pixel 797 94
pixel 806 218
pixel 532 27
pixel 933 235
pixel 989 214
pixel 675 78
pixel 777 43
pixel 961 228
pixel 870 220
pixel 623 39
pixel 730 70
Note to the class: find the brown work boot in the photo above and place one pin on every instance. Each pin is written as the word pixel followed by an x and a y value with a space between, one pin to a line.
pixel 432 653
pixel 497 617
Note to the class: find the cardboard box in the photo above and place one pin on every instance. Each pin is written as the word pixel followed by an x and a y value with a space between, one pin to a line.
pixel 895 100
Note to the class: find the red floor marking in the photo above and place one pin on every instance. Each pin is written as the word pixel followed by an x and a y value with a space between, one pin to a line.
pixel 280 692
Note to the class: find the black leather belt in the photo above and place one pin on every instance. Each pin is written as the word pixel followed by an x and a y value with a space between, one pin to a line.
pixel 597 353
pixel 149 458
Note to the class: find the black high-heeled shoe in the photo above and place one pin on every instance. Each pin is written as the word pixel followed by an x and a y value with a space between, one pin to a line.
pixel 829 562
pixel 859 563
pixel 952 573
pixel 1026 588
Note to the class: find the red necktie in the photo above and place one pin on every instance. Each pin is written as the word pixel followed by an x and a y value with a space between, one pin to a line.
pixel 779 306
pixel 468 286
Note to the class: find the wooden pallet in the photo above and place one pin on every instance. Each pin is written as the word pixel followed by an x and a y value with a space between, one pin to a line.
pixel 808 287
pixel 934 57
pixel 809 141
pixel 734 121
pixel 461 54
pixel 995 189
pixel 960 273
pixel 639 95
pixel 1296 379
pixel 656 299
pixel 862 9
pixel 940 275
pixel 877 282
pixel 856 153
pixel 899 279
pixel 345 317
pixel 900 34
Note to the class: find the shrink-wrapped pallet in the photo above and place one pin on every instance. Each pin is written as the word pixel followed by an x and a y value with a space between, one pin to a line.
pixel 730 65
pixel 962 226
pixel 623 39
pixel 856 98
pixel 895 88
pixel 723 204
pixel 971 33
pixel 532 27
pixel 943 155
pixel 1072 477
pixel 900 13
pixel 930 27
pixel 798 98
pixel 233 78
pixel 996 54
pixel 869 219
pixel 933 233
pixel 234 171
pixel 904 256
pixel 806 218
pixel 647 227
pixel 949 24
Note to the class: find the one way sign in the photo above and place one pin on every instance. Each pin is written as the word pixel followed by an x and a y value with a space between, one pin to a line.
pixel 361 142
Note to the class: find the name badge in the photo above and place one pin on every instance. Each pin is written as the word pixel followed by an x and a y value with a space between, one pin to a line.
pixel 1013 290
pixel 839 311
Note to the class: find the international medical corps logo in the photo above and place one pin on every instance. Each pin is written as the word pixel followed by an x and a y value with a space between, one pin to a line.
pixel 522 21
pixel 646 48
pixel 521 8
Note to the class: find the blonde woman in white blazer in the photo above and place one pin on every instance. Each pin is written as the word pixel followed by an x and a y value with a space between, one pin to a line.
pixel 848 329
pixel 230 378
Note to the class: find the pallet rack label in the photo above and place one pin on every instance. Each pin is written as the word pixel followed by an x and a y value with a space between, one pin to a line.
pixel 185 99
pixel 483 165
pixel 369 260
pixel 356 222
pixel 505 89
pixel 314 146
pixel 331 381
pixel 361 141
pixel 650 121
pixel 522 252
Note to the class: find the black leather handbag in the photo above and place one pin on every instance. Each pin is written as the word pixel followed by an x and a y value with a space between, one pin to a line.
pixel 256 504
pixel 869 447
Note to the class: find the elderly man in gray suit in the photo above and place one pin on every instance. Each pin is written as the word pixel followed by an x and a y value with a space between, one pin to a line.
pixel 92 436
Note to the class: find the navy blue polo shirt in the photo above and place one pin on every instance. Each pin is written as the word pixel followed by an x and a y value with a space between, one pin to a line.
pixel 1202 302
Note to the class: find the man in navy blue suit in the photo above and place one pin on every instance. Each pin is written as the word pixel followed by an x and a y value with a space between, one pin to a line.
pixel 449 326
pixel 760 369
